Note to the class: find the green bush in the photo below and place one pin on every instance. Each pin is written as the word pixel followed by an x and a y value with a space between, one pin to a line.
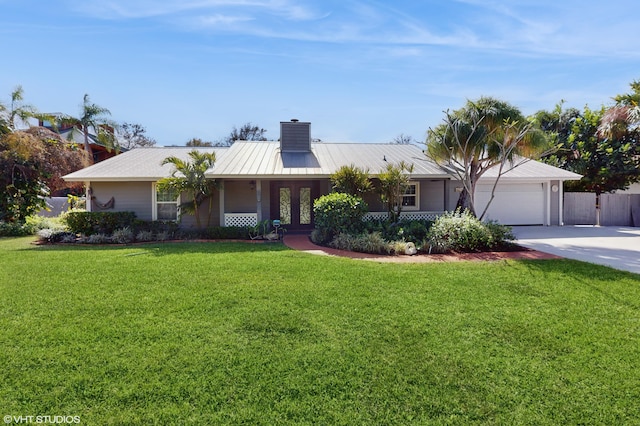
pixel 337 213
pixel 38 223
pixel 463 232
pixel 13 229
pixel 89 223
pixel 363 243
pixel 156 227
pixel 414 231
pixel 122 235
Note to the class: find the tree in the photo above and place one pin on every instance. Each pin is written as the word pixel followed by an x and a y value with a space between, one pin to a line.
pixel 394 182
pixel 93 117
pixel 602 145
pixel 403 139
pixel 248 132
pixel 134 136
pixel 32 164
pixel 189 176
pixel 195 142
pixel 484 134
pixel 17 111
pixel 557 124
pixel 351 180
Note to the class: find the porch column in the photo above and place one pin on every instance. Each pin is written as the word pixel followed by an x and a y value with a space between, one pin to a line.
pixel 259 199
pixel 447 188
pixel 221 203
pixel 87 196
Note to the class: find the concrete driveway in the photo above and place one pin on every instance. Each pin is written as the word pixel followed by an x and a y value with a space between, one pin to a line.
pixel 615 246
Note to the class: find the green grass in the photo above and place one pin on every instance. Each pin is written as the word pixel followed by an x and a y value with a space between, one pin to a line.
pixel 238 333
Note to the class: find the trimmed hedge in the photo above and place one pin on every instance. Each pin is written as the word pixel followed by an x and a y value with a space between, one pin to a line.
pixel 89 223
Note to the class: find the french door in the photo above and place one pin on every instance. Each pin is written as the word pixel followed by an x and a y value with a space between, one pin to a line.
pixel 292 203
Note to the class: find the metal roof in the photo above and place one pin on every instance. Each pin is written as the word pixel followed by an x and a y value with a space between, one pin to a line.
pixel 264 160
pixel 140 164
pixel 530 170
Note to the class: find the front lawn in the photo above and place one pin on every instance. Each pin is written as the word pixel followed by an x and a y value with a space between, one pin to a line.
pixel 240 333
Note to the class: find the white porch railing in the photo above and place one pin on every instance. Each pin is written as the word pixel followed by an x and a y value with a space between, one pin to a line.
pixel 240 219
pixel 410 215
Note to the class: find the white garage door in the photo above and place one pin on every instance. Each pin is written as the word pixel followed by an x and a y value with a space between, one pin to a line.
pixel 514 204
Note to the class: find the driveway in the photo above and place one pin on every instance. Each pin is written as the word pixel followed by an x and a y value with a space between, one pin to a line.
pixel 615 246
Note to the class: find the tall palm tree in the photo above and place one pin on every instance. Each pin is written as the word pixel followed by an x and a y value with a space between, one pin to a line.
pixel 189 177
pixel 484 134
pixel 94 117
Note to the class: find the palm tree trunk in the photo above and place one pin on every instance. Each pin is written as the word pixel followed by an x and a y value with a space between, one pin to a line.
pixel 87 146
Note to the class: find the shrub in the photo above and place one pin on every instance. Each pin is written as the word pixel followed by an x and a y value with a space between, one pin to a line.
pixel 372 243
pixel 144 236
pixel 12 229
pixel 461 231
pixel 37 223
pixel 337 213
pixel 68 238
pixel 162 236
pixel 156 226
pixel 89 223
pixel 351 180
pixel 500 234
pixel 363 243
pixel 97 239
pixel 54 236
pixel 414 231
pixel 122 235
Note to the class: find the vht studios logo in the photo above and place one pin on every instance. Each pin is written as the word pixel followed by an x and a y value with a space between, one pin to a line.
pixel 8 419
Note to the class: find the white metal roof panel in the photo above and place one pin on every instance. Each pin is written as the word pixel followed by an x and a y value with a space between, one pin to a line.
pixel 142 164
pixel 531 170
pixel 264 159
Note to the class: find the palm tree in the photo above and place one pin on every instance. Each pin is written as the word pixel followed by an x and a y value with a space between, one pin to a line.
pixel 189 177
pixel 94 117
pixel 484 134
pixel 17 111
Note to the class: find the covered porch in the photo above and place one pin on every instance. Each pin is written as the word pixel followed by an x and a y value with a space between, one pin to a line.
pixel 247 202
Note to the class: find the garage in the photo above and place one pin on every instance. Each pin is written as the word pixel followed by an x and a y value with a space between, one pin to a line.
pixel 514 204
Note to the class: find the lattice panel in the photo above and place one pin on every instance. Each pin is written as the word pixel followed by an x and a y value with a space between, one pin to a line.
pixel 240 219
pixel 404 215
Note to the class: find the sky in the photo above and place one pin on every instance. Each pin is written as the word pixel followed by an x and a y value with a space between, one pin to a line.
pixel 358 70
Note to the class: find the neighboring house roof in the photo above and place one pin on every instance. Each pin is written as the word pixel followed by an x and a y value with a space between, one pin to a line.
pixel 263 160
pixel 76 135
pixel 140 164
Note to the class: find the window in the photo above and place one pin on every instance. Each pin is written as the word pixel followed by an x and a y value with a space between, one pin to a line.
pixel 166 205
pixel 411 197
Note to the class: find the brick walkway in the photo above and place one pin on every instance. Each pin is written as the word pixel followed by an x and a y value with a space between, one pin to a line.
pixel 303 243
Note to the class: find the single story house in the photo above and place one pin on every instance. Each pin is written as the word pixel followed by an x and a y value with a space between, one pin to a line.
pixel 280 180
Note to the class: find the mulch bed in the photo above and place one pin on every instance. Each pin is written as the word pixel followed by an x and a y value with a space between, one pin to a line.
pixel 512 252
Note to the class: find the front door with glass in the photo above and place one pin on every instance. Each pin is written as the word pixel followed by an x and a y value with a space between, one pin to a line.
pixel 292 203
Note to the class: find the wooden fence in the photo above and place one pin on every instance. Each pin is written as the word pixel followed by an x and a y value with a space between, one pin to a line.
pixel 615 209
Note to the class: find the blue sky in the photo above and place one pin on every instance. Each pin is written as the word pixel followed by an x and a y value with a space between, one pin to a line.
pixel 360 71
